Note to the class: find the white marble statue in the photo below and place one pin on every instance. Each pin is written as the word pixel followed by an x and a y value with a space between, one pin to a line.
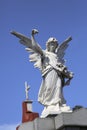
pixel 54 73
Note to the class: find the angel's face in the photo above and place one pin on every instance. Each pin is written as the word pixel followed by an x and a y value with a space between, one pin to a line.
pixel 52 44
pixel 52 47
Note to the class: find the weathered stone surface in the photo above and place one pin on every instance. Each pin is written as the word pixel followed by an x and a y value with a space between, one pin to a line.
pixel 76 118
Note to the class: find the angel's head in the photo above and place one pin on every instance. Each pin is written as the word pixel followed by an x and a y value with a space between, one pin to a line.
pixel 51 44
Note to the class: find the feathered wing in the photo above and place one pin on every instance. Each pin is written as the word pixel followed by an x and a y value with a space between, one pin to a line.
pixel 35 50
pixel 35 57
pixel 61 50
pixel 23 39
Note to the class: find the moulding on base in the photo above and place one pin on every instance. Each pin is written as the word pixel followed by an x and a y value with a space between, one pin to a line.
pixel 63 121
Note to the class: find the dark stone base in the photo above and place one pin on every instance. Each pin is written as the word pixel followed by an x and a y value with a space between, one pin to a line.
pixel 76 120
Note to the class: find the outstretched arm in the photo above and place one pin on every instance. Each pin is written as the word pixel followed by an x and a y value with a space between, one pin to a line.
pixel 32 47
pixel 35 45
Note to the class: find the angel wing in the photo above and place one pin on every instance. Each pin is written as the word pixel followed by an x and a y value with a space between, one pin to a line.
pixel 61 50
pixel 33 47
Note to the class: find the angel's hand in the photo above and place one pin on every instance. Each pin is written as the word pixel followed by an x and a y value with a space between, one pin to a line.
pixel 34 31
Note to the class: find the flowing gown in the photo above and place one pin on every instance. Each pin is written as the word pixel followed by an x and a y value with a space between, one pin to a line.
pixel 51 92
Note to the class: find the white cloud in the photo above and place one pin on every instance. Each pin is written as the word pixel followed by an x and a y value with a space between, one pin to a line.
pixel 8 127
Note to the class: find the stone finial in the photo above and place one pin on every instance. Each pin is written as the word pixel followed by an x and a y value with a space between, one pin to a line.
pixel 27 87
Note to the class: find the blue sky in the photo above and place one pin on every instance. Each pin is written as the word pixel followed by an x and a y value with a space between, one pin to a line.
pixel 57 18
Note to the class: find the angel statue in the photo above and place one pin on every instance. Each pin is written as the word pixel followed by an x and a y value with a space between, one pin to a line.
pixel 55 75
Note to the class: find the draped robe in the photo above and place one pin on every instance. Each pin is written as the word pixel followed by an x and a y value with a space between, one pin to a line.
pixel 51 91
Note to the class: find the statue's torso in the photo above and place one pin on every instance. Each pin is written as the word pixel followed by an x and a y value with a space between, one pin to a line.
pixel 49 62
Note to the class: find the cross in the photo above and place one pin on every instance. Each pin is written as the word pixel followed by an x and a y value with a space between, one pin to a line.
pixel 27 87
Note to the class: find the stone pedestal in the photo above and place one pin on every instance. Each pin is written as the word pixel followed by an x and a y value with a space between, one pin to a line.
pixel 76 120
